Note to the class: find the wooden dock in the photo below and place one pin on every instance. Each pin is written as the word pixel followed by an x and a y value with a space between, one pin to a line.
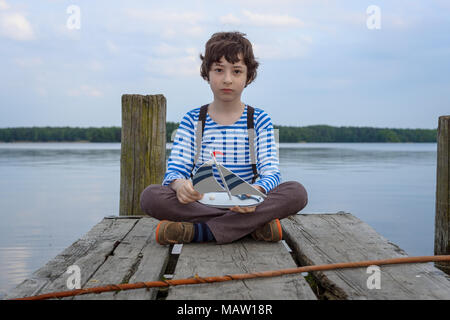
pixel 124 250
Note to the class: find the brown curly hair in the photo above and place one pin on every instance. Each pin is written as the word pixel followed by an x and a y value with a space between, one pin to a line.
pixel 228 44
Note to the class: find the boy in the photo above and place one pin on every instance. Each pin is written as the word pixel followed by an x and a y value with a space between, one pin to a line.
pixel 229 66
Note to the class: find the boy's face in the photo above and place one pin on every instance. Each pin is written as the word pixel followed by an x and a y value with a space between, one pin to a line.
pixel 225 75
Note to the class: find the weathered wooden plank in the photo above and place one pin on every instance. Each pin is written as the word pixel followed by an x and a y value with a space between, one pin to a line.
pixel 151 268
pixel 243 256
pixel 137 258
pixel 89 252
pixel 331 238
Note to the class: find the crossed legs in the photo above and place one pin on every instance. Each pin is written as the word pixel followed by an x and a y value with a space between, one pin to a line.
pixel 286 199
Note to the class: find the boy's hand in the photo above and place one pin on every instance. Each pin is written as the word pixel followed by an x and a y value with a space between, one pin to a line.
pixel 243 209
pixel 186 192
pixel 247 209
pixel 260 189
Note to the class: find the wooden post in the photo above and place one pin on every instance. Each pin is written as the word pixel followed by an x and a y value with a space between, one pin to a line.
pixel 143 148
pixel 442 223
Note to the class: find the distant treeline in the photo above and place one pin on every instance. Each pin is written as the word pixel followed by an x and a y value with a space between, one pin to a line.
pixel 324 133
pixel 318 133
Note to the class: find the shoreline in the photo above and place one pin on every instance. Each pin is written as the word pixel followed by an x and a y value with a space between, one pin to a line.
pixel 171 143
pixel 302 142
pixel 78 141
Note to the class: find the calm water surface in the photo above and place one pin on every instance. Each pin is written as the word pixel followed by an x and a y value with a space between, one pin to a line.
pixel 53 193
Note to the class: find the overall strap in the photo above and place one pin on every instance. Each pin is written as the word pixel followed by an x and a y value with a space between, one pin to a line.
pixel 251 141
pixel 251 137
pixel 199 132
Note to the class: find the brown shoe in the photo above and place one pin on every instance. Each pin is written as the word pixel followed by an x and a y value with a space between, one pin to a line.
pixel 269 232
pixel 169 232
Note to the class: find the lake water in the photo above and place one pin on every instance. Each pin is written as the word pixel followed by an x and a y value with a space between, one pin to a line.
pixel 53 193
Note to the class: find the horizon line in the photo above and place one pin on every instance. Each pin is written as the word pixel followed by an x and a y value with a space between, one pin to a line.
pixel 275 125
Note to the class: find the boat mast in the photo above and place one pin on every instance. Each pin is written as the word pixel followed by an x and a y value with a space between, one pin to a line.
pixel 213 155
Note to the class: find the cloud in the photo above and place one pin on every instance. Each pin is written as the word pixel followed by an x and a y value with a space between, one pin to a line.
pixel 28 62
pixel 85 90
pixel 271 20
pixel 166 17
pixel 61 31
pixel 262 20
pixel 15 26
pixel 41 91
pixel 390 19
pixel 165 49
pixel 178 62
pixel 287 48
pixel 174 32
pixel 230 19
pixel 112 47
pixel 4 5
pixel 167 24
pixel 96 65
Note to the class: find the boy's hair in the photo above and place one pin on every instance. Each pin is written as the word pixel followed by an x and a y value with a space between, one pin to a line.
pixel 228 44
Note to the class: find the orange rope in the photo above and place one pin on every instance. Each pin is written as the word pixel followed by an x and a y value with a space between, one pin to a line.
pixel 197 279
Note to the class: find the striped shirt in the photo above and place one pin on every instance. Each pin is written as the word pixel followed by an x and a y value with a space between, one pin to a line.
pixel 232 141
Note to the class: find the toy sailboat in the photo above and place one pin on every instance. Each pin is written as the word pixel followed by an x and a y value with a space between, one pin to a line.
pixel 237 192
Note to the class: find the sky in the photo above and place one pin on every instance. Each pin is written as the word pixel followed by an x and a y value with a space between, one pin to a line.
pixel 341 63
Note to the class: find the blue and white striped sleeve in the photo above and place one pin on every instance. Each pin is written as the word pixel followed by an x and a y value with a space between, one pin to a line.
pixel 181 160
pixel 266 153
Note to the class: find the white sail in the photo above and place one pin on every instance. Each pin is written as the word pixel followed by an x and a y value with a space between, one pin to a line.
pixel 237 185
pixel 204 181
pixel 237 192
